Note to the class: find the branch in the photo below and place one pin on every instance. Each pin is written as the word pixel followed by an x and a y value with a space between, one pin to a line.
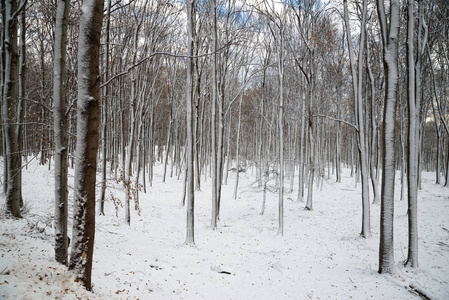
pixel 155 54
pixel 122 6
pixel 418 291
pixel 338 120
pixel 19 10
pixel 442 118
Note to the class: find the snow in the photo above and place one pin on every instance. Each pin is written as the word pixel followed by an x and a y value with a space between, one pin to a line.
pixel 320 256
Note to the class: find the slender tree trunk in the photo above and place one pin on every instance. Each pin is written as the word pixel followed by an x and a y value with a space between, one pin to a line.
pixel 228 148
pixel 167 144
pixel 414 92
pixel 61 132
pixel 87 140
pixel 301 148
pixel 311 168
pixel 311 154
pixel 190 234
pixel 237 150
pixel 338 138
pixel 281 129
pixel 373 160
pixel 220 147
pixel 105 113
pixel 134 111
pixel 358 97
pixel 213 121
pixel 22 90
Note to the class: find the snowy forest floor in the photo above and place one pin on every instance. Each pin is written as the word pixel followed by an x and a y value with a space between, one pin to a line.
pixel 320 256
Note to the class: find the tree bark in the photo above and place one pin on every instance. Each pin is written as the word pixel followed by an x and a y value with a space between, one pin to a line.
pixel 190 234
pixel 390 40
pixel 105 113
pixel 414 92
pixel 61 132
pixel 281 126
pixel 88 112
pixel 358 104
pixel 214 217
pixel 22 90
pixel 10 97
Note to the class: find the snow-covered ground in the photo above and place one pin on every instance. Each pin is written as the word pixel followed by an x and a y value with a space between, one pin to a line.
pixel 320 256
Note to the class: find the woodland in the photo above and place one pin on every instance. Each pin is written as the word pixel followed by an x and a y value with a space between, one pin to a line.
pixel 288 103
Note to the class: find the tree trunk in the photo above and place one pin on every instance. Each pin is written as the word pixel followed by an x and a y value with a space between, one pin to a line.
pixel 105 113
pixel 2 61
pixel 414 92
pixel 190 234
pixel 87 140
pixel 61 132
pixel 373 159
pixel 281 128
pixel 22 90
pixel 301 148
pixel 360 123
pixel 10 94
pixel 390 40
pixel 214 217
pixel 237 150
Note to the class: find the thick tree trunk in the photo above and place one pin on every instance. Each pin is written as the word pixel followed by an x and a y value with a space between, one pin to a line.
pixel 88 112
pixel 390 39
pixel 61 132
pixel 10 97
pixel 2 70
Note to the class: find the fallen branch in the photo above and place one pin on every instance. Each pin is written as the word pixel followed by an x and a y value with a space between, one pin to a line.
pixel 418 291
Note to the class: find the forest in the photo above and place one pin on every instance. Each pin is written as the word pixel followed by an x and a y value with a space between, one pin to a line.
pixel 175 129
